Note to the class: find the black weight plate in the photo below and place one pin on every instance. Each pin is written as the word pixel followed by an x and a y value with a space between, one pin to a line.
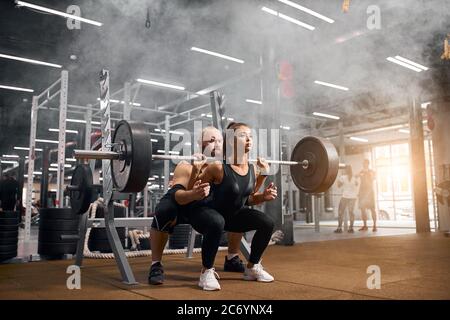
pixel 323 166
pixel 12 228
pixel 57 213
pixel 8 247
pixel 9 214
pixel 7 241
pixel 58 225
pixel 9 221
pixel 131 173
pixel 7 255
pixel 100 233
pixel 55 236
pixel 53 249
pixel 80 200
pixel 9 234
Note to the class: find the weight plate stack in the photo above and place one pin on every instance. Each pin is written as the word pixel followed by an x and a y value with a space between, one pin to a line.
pixel 53 223
pixel 9 232
pixel 98 239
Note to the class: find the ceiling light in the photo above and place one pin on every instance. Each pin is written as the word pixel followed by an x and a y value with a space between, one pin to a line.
pixel 219 55
pixel 287 18
pixel 411 63
pixel 358 139
pixel 153 140
pixel 404 131
pixel 285 127
pixel 170 131
pixel 122 102
pixel 71 160
pixel 58 13
pixel 67 131
pixel 16 88
pixel 10 156
pixel 331 85
pixel 160 84
pixel 403 64
pixel 47 141
pixel 7 56
pixel 309 11
pixel 325 115
pixel 25 148
pixel 253 101
pixel 9 162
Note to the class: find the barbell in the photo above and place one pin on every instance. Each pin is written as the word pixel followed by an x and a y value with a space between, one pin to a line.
pixel 314 164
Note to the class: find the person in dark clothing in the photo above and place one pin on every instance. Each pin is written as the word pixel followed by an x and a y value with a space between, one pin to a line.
pixel 233 190
pixel 9 192
pixel 366 195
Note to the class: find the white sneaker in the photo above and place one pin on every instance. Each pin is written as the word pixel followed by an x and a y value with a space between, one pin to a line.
pixel 208 280
pixel 257 273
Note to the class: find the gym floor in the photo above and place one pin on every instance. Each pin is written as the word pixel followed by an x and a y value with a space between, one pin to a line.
pixel 413 266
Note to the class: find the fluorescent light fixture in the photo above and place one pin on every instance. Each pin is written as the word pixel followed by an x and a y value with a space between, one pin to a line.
pixel 96 122
pixel 404 131
pixel 326 115
pixel 68 178
pixel 309 11
pixel 52 190
pixel 287 18
pixel 411 63
pixel 56 165
pixel 67 131
pixel 403 64
pixel 122 102
pixel 202 92
pixel 9 162
pixel 171 174
pixel 160 84
pixel 253 101
pixel 219 55
pixel 155 176
pixel 58 13
pixel 170 131
pixel 153 140
pixel 16 88
pixel 229 119
pixel 209 115
pixel 37 173
pixel 151 179
pixel 358 139
pixel 170 152
pixel 285 127
pixel 330 85
pixel 52 169
pixel 71 160
pixel 10 156
pixel 7 56
pixel 82 121
pixel 47 141
pixel 188 144
pixel 27 149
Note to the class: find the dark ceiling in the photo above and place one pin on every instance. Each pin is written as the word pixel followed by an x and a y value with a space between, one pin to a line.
pixel 345 52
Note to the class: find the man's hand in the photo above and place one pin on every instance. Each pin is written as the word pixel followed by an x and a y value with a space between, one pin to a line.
pixel 263 166
pixel 270 193
pixel 200 190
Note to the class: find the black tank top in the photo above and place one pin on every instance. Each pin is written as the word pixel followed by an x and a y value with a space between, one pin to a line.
pixel 232 193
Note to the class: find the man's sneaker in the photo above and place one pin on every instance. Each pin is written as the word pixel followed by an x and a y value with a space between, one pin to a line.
pixel 350 230
pixel 374 229
pixel 233 265
pixel 257 273
pixel 156 274
pixel 208 280
pixel 338 230
pixel 363 229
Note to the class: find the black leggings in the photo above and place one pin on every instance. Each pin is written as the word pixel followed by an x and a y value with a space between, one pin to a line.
pixel 211 224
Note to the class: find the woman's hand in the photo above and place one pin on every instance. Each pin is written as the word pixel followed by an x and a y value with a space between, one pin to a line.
pixel 263 166
pixel 200 190
pixel 270 193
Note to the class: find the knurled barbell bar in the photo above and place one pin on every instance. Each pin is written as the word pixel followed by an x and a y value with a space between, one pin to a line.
pixel 314 162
